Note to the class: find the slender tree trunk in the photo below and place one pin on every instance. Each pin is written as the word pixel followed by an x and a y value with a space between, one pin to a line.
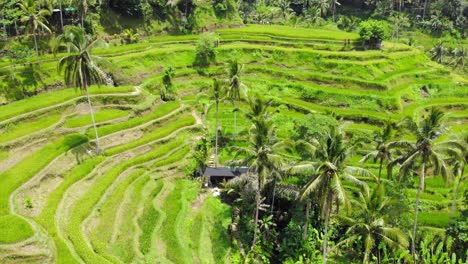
pixel 4 29
pixel 416 209
pixel 380 169
pixel 455 195
pixel 35 44
pixel 16 29
pixel 257 205
pixel 424 9
pixel 235 123
pixel 307 215
pixel 325 235
pixel 98 148
pixel 274 193
pixel 216 135
pixel 61 14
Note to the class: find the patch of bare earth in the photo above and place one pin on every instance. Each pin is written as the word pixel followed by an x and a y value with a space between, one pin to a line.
pixel 197 204
pixel 24 252
pixel 44 183
pixel 19 153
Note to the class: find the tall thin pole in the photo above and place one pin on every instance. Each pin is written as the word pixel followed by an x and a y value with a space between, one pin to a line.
pixel 61 14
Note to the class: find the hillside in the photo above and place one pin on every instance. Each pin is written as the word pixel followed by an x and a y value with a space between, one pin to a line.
pixel 61 203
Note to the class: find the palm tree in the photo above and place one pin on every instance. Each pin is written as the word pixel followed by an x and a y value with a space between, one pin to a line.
pixel 458 153
pixel 369 226
pixel 82 6
pixel 438 52
pixel 262 152
pixel 383 147
pixel 328 175
pixel 79 67
pixel 217 94
pixel 399 21
pixel 425 151
pixel 34 18
pixel 459 57
pixel 323 5
pixel 236 88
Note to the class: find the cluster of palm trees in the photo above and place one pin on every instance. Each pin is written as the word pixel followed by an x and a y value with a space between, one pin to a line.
pixel 332 183
pixel 34 15
pixel 444 55
pixel 232 89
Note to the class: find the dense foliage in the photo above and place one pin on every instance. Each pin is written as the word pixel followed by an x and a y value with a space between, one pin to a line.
pixel 340 133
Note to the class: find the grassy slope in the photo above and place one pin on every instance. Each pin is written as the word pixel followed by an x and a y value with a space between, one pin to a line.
pixel 365 87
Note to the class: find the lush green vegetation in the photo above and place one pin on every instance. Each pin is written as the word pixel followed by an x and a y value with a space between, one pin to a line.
pixel 101 116
pixel 350 117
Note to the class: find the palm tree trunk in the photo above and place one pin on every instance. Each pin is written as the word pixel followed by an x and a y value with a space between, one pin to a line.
pixel 380 169
pixel 424 9
pixel 61 14
pixel 416 208
pixel 98 148
pixel 455 195
pixel 307 215
pixel 235 123
pixel 35 45
pixel 257 205
pixel 274 193
pixel 216 135
pixel 325 235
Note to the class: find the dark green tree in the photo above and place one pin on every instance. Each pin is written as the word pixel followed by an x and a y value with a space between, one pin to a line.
pixel 34 18
pixel 368 225
pixel 327 177
pixel 79 67
pixel 425 152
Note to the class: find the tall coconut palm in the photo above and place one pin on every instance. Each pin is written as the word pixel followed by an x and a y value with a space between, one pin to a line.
pixel 236 89
pixel 79 67
pixel 368 225
pixel 217 93
pixel 426 151
pixel 328 175
pixel 457 151
pixel 34 18
pixel 262 154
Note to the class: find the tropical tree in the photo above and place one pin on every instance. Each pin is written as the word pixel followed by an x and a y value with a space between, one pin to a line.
pixel 382 152
pixel 438 52
pixel 459 55
pixel 34 18
pixel 236 89
pixel 324 6
pixel 426 151
pixel 262 154
pixel 82 6
pixel 457 151
pixel 399 21
pixel 368 225
pixel 327 176
pixel 217 94
pixel 79 67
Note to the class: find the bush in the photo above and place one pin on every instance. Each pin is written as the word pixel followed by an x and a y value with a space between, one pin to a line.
pixel 372 33
pixel 205 50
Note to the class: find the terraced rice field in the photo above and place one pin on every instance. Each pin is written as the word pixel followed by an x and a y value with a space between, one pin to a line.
pixel 59 203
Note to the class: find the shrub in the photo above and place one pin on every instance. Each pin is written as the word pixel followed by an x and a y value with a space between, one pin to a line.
pixel 205 50
pixel 372 33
